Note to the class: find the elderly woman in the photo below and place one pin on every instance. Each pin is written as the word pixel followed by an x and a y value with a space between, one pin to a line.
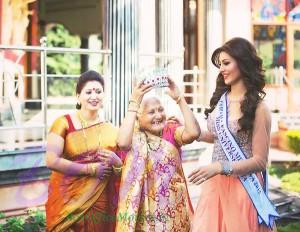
pixel 153 192
pixel 80 153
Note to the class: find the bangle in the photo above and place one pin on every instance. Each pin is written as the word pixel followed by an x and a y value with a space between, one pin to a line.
pixel 94 169
pixel 133 101
pixel 178 99
pixel 87 169
pixel 226 168
pixel 117 169
pixel 132 110
pixel 132 107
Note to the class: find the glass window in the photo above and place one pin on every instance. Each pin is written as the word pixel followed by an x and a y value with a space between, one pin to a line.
pixel 270 41
pixel 296 63
pixel 269 10
pixel 294 10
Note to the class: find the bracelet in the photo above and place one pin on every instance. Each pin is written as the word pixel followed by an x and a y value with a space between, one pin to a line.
pixel 226 168
pixel 133 107
pixel 134 102
pixel 117 169
pixel 87 169
pixel 94 169
pixel 132 110
pixel 178 99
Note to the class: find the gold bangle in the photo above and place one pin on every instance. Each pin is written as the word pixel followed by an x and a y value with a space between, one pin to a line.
pixel 87 169
pixel 133 105
pixel 117 169
pixel 133 101
pixel 132 110
pixel 178 99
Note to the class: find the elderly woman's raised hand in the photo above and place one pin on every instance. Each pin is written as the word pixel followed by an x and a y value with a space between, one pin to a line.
pixel 139 91
pixel 173 90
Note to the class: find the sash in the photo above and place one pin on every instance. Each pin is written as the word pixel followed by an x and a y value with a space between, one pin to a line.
pixel 265 209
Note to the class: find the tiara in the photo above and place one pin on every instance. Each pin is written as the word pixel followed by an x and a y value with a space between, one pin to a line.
pixel 157 77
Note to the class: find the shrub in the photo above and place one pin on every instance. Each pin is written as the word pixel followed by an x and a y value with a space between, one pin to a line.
pixel 289 176
pixel 34 222
pixel 294 140
pixel 291 182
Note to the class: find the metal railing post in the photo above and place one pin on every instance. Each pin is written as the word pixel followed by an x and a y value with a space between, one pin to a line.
pixel 44 91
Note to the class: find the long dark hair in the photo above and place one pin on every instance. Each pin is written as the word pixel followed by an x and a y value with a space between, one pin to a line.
pixel 252 74
pixel 86 77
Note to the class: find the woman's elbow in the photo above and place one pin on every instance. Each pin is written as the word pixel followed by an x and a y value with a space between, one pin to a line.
pixel 50 161
pixel 261 165
pixel 122 145
pixel 194 135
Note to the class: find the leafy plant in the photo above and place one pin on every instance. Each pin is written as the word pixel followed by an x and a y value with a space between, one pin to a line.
pixel 62 63
pixel 294 140
pixel 290 177
pixel 14 224
pixel 291 181
pixel 34 222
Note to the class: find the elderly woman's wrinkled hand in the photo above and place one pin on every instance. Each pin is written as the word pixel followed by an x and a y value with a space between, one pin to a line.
pixel 139 91
pixel 173 90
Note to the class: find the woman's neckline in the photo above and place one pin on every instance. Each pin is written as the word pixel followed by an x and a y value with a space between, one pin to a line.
pixel 88 127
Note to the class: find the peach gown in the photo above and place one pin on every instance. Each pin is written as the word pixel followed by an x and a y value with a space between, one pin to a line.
pixel 224 204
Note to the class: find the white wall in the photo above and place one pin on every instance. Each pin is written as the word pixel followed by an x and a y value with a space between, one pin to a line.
pixel 238 19
pixel 214 40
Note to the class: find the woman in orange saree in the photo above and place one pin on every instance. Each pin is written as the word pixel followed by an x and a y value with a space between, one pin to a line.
pixel 153 192
pixel 83 186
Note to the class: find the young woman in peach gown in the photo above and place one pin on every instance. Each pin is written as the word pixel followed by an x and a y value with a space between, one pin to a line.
pixel 83 186
pixel 239 124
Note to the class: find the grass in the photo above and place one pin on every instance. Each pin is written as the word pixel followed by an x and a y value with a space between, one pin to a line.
pixel 292 227
pixel 290 177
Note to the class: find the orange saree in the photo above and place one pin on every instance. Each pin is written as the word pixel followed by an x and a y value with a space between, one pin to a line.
pixel 82 203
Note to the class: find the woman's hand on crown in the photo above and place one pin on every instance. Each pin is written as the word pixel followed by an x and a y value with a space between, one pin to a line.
pixel 139 91
pixel 173 90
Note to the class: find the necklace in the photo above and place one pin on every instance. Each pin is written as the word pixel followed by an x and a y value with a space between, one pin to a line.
pixel 152 147
pixel 84 124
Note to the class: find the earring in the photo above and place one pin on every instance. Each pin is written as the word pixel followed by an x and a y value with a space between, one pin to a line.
pixel 78 106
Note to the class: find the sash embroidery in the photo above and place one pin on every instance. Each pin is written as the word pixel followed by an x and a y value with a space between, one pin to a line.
pixel 266 211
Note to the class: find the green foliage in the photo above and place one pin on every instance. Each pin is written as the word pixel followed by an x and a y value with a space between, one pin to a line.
pixel 290 177
pixel 35 222
pixel 14 224
pixel 62 63
pixel 294 140
pixel 292 227
pixel 291 182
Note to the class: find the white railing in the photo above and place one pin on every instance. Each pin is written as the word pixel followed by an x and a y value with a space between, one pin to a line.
pixel 12 79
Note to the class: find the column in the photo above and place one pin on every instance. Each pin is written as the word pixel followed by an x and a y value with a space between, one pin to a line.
pixel 123 40
pixel 214 40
